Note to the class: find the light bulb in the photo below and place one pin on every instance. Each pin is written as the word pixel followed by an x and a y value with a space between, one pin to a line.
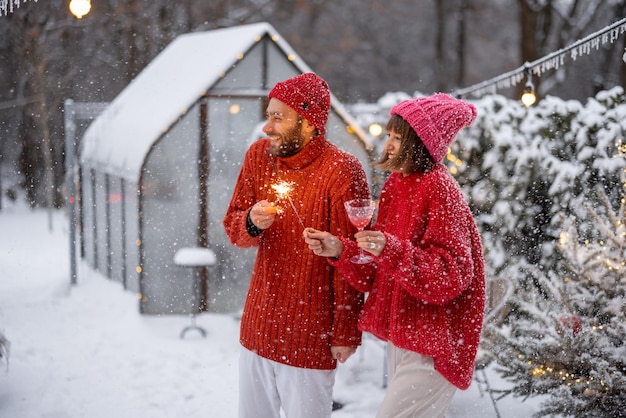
pixel 375 129
pixel 80 8
pixel 528 97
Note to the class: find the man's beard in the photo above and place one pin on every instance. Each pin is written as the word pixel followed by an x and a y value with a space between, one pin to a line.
pixel 290 143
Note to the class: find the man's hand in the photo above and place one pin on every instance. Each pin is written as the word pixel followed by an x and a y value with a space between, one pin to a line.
pixel 342 353
pixel 263 214
pixel 322 243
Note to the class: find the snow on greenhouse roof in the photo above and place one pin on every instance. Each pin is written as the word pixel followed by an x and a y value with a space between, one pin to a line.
pixel 118 141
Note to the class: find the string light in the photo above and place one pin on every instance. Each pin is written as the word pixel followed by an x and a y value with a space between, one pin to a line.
pixel 545 371
pixel 375 129
pixel 455 162
pixel 548 62
pixel 80 8
pixel 528 96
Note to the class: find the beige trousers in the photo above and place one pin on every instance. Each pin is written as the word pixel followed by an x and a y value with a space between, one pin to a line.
pixel 416 389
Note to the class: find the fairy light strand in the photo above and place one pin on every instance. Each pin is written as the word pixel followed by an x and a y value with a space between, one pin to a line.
pixel 548 62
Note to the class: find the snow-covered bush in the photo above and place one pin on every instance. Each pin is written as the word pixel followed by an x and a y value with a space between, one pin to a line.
pixel 545 184
pixel 566 340
pixel 523 169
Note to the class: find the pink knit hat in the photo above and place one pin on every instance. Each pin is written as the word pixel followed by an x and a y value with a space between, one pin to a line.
pixel 307 94
pixel 436 120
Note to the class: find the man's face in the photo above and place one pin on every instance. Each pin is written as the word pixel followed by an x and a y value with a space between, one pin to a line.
pixel 284 128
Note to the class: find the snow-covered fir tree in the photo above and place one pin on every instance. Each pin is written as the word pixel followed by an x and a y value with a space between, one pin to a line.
pixel 546 188
pixel 566 335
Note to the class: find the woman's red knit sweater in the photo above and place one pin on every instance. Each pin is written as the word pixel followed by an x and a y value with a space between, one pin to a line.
pixel 427 287
pixel 297 305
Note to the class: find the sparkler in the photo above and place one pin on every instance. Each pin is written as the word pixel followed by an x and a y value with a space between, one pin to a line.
pixel 282 189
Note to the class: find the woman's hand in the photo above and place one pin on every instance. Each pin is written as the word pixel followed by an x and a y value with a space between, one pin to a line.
pixel 322 243
pixel 371 241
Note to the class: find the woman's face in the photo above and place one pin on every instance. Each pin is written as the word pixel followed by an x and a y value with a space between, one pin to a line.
pixel 392 145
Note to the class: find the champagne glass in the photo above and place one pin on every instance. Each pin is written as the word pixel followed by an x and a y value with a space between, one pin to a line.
pixel 360 212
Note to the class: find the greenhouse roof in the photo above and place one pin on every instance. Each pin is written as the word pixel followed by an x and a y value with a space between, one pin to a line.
pixel 118 141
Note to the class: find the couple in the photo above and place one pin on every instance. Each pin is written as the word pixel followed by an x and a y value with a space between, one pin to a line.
pixel 305 307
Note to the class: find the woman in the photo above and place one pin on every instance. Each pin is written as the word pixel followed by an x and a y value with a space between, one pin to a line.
pixel 426 284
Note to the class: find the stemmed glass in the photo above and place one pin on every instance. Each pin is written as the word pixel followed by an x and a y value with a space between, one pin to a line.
pixel 360 212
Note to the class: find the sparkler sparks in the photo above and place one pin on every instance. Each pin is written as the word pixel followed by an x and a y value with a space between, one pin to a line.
pixel 283 189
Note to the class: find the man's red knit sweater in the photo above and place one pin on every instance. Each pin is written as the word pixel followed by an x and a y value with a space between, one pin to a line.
pixel 297 305
pixel 427 287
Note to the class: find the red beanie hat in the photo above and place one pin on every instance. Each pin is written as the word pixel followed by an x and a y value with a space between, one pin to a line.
pixel 307 94
pixel 436 120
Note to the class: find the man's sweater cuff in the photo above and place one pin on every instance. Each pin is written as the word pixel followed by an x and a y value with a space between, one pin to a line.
pixel 252 229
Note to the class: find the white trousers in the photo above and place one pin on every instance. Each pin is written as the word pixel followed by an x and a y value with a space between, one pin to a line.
pixel 415 388
pixel 265 386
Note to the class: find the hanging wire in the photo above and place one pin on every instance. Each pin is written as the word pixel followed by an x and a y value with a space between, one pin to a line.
pixel 550 61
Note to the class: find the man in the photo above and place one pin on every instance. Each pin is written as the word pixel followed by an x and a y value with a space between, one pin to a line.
pixel 300 317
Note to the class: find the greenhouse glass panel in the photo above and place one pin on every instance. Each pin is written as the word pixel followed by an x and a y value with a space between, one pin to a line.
pixel 88 216
pixel 230 134
pixel 245 73
pixel 279 68
pixel 116 221
pixel 102 223
pixel 131 239
pixel 170 218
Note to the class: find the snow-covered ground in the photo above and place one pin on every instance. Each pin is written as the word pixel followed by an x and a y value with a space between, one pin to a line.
pixel 85 351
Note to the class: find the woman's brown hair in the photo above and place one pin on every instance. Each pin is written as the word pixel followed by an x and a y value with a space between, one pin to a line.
pixel 413 156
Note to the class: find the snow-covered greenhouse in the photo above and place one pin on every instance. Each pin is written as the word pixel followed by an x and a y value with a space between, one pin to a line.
pixel 158 165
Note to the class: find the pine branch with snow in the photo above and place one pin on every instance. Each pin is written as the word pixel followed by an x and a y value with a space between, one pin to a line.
pixel 522 169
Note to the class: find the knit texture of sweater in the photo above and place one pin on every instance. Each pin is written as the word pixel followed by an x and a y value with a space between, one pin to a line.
pixel 427 287
pixel 297 305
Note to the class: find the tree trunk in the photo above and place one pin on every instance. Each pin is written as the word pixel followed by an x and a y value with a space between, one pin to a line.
pixel 528 39
pixel 47 143
pixel 460 47
pixel 440 52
